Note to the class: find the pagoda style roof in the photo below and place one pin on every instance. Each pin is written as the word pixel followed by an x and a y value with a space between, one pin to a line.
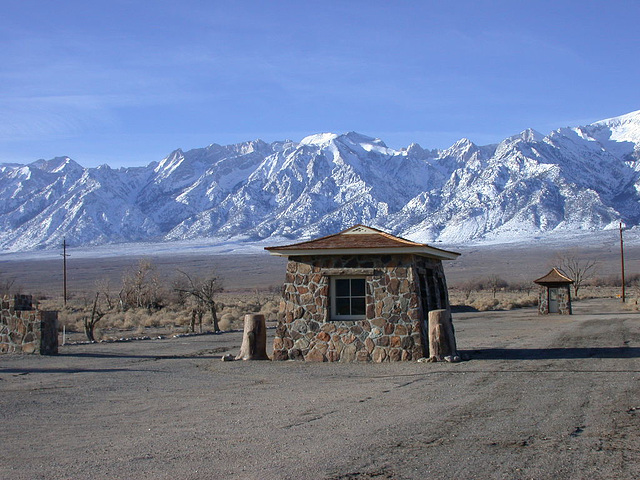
pixel 361 240
pixel 553 277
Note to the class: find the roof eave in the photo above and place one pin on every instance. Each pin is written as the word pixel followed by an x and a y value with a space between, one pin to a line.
pixel 554 277
pixel 423 250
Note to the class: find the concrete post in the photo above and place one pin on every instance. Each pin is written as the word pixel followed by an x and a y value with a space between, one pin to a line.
pixel 442 340
pixel 254 338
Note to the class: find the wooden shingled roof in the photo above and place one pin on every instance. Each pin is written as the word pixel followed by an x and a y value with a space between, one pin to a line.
pixel 361 240
pixel 553 277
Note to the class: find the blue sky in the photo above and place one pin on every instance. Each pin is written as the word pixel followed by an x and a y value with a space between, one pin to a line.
pixel 126 82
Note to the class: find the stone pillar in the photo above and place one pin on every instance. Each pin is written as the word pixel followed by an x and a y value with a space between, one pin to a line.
pixel 564 300
pixel 543 300
pixel 23 330
pixel 48 332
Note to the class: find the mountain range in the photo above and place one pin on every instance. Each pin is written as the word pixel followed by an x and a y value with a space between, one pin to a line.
pixel 573 179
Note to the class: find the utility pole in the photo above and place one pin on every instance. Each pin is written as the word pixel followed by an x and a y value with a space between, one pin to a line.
pixel 622 263
pixel 64 269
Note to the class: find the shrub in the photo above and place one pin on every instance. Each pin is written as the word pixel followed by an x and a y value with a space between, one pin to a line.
pixel 485 304
pixel 227 322
pixel 131 319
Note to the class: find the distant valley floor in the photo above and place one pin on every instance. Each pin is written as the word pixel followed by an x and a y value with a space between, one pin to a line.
pixel 248 268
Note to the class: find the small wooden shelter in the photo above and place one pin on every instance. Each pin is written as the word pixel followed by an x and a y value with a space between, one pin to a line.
pixel 359 295
pixel 555 293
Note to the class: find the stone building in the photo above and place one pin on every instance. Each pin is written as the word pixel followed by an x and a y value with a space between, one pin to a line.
pixel 359 295
pixel 555 293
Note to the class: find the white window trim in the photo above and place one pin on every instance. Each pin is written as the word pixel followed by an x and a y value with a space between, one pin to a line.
pixel 332 289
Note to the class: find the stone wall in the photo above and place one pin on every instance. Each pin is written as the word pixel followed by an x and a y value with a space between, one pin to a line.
pixel 564 299
pixel 24 330
pixel 399 290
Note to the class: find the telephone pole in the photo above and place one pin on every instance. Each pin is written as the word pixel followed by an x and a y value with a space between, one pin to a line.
pixel 64 270
pixel 622 263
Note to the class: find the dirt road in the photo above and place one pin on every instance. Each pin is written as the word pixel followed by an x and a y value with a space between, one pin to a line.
pixel 541 397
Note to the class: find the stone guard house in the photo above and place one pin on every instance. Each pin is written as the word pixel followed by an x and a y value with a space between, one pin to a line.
pixel 555 293
pixel 359 295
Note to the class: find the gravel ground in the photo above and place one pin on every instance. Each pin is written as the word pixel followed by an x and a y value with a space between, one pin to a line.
pixel 540 397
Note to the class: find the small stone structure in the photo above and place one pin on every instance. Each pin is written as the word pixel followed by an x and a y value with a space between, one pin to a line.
pixel 555 293
pixel 25 330
pixel 359 295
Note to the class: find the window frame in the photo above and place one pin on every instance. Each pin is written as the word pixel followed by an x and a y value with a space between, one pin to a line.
pixel 332 294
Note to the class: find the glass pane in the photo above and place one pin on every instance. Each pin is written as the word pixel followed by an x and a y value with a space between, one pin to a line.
pixel 342 306
pixel 357 306
pixel 357 287
pixel 342 287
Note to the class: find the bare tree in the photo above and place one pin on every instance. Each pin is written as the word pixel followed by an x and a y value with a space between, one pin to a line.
pixel 6 284
pixel 197 312
pixel 205 292
pixel 576 267
pixel 140 287
pixel 179 287
pixel 469 286
pixel 523 286
pixel 90 322
pixel 495 283
pixel 104 287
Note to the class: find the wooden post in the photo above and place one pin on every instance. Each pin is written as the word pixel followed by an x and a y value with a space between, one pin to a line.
pixel 442 340
pixel 64 270
pixel 254 338
pixel 622 263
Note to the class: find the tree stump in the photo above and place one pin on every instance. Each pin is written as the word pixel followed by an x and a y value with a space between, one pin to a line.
pixel 442 339
pixel 254 338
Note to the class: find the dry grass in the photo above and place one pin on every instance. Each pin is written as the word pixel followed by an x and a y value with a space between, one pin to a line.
pixel 234 305
pixel 483 300
pixel 172 319
pixel 506 299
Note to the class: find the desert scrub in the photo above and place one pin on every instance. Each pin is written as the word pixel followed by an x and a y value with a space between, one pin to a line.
pixel 484 304
pixel 632 304
pixel 270 310
pixel 151 319
pixel 170 318
pixel 113 320
pixel 520 303
pixel 599 291
pixel 71 319
pixel 227 322
pixel 483 300
pixel 132 319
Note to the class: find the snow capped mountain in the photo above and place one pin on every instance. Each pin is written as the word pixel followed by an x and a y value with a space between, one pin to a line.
pixel 577 178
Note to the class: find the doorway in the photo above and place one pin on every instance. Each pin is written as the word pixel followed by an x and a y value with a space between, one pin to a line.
pixel 553 300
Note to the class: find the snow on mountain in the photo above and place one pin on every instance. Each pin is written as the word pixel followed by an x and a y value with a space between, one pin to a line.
pixel 59 165
pixel 625 128
pixel 573 179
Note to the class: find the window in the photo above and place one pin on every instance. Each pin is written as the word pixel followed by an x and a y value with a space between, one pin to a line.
pixel 348 298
